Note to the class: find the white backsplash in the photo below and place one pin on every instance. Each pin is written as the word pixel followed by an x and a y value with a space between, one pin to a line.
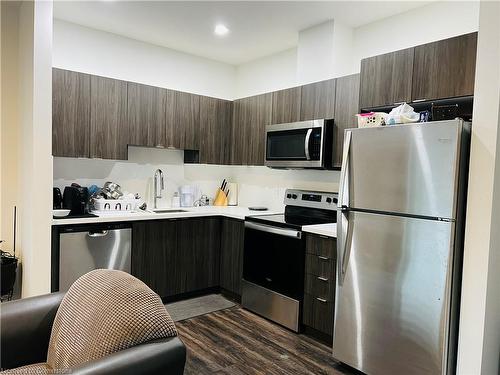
pixel 258 186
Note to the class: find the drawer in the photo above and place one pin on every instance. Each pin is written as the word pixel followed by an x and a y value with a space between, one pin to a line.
pixel 320 266
pixel 319 287
pixel 318 314
pixel 321 245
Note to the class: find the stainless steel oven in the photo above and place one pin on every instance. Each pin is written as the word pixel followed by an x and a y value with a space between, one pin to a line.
pixel 274 256
pixel 305 144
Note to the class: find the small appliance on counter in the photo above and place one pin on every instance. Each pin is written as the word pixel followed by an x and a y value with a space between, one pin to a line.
pixel 76 199
pixel 274 256
pixel 57 199
pixel 188 192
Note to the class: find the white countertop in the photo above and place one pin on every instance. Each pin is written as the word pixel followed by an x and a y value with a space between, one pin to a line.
pixel 329 230
pixel 235 212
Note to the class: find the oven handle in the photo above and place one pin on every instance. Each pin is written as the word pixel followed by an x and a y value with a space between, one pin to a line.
pixel 274 230
pixel 306 143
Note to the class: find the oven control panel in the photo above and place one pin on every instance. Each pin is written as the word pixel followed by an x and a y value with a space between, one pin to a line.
pixel 313 199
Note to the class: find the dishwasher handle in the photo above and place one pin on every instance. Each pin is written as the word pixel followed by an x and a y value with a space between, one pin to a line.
pixel 101 233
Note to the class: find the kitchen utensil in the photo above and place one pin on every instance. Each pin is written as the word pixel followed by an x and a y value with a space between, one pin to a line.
pixel 220 198
pixel 60 212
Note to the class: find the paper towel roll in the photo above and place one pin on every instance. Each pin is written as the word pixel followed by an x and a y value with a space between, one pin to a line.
pixel 233 194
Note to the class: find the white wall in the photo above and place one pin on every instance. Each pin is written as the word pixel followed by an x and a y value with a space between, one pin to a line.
pixel 324 51
pixel 257 185
pixel 479 341
pixel 439 20
pixel 275 72
pixel 97 52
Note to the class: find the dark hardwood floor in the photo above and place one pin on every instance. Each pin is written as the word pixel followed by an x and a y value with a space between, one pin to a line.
pixel 235 341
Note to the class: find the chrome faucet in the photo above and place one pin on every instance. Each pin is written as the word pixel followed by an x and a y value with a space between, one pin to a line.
pixel 158 179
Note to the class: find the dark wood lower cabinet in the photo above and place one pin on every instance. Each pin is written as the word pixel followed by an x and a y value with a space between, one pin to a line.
pixel 177 256
pixel 156 258
pixel 319 283
pixel 198 241
pixel 231 262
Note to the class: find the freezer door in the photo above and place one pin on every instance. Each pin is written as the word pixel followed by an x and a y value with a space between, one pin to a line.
pixel 392 307
pixel 407 169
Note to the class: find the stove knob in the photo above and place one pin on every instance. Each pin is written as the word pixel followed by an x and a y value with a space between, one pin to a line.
pixel 335 200
pixel 289 196
pixel 294 196
pixel 328 200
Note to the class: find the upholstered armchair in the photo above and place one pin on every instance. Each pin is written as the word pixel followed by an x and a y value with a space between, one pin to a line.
pixel 108 323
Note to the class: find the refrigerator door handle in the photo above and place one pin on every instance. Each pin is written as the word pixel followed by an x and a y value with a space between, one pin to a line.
pixel 345 245
pixel 343 195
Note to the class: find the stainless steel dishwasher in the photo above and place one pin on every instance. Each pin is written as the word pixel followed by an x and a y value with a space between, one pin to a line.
pixel 85 248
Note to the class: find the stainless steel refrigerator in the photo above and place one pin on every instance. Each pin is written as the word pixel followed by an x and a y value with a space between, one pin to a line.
pixel 400 232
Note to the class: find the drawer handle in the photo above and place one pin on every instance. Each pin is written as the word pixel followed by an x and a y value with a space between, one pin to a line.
pixel 322 236
pixel 322 300
pixel 323 258
pixel 322 278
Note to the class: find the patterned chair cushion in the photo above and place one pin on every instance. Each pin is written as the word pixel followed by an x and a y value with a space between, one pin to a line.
pixel 103 312
pixel 34 369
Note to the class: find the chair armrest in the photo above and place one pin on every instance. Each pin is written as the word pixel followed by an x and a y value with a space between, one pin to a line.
pixel 26 325
pixel 167 356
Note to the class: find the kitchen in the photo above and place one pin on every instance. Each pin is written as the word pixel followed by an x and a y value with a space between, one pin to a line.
pixel 205 139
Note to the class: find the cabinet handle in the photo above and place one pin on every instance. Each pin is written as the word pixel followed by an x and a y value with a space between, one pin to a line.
pixel 322 300
pixel 323 258
pixel 399 103
pixel 322 278
pixel 419 100
pixel 322 236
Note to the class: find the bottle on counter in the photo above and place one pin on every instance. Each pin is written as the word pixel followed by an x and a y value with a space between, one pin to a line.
pixel 176 200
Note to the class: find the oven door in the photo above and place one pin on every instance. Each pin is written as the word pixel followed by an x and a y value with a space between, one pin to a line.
pixel 274 259
pixel 297 145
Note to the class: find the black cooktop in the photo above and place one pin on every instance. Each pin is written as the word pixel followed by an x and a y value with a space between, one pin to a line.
pixel 296 217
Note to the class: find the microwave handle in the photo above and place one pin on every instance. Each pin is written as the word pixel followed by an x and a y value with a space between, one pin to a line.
pixel 306 143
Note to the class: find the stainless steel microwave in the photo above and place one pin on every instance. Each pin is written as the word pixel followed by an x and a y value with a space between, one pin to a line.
pixel 298 145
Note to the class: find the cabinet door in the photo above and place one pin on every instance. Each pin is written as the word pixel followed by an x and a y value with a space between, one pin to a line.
pixel 146 115
pixel 346 107
pixel 108 118
pixel 286 105
pixel 199 247
pixel 386 79
pixel 232 241
pixel 250 117
pixel 318 100
pixel 445 69
pixel 155 257
pixel 70 113
pixel 183 120
pixel 215 123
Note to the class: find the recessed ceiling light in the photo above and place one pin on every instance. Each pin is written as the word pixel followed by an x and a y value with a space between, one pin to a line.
pixel 221 29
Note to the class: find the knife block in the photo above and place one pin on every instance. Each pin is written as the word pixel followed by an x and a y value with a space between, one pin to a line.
pixel 220 198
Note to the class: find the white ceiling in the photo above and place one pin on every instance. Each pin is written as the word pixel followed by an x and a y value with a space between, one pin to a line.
pixel 257 29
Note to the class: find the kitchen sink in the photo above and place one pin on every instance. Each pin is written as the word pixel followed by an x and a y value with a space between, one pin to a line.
pixel 168 211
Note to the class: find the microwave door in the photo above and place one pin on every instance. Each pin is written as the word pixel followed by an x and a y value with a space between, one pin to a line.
pixel 288 144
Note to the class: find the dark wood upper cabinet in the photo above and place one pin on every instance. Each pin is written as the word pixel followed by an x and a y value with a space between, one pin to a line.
pixel 70 113
pixel 250 117
pixel 146 115
pixel 386 79
pixel 346 107
pixel 183 120
pixel 108 118
pixel 215 124
pixel 286 105
pixel 445 69
pixel 318 100
pixel 231 257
